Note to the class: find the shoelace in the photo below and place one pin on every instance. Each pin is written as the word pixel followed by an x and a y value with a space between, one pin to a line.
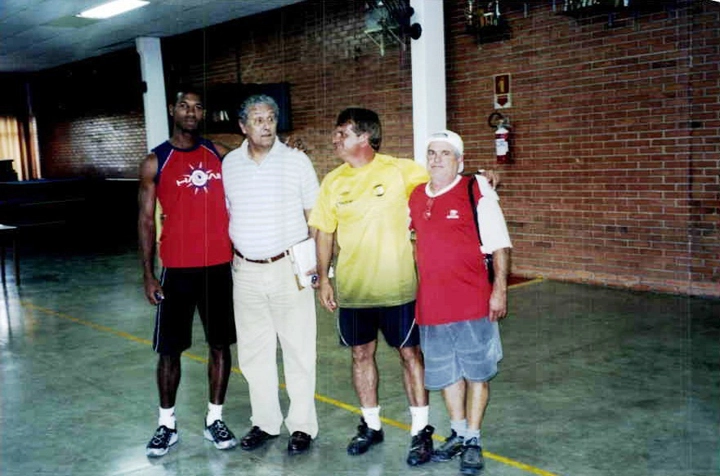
pixel 219 430
pixel 161 437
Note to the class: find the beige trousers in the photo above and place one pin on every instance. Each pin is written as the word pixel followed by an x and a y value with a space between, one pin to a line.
pixel 269 308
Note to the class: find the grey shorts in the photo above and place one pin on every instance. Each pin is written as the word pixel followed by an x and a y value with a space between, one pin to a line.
pixel 467 350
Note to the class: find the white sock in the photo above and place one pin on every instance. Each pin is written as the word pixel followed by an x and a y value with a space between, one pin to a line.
pixel 420 417
pixel 473 434
pixel 167 417
pixel 372 417
pixel 459 427
pixel 214 413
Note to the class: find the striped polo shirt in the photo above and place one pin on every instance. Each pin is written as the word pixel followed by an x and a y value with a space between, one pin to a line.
pixel 267 200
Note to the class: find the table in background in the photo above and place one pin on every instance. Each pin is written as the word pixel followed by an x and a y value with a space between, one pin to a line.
pixel 8 233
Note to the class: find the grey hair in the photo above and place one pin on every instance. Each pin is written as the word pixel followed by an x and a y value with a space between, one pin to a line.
pixel 253 101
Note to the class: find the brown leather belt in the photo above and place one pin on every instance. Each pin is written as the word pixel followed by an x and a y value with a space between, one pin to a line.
pixel 266 260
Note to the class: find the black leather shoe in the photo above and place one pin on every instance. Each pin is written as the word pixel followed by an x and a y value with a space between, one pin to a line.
pixel 421 448
pixel 255 438
pixel 299 443
pixel 365 438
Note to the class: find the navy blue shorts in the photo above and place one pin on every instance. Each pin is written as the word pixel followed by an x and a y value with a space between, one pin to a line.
pixel 209 290
pixel 358 326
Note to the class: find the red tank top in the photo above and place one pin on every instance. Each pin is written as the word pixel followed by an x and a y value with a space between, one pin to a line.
pixel 190 190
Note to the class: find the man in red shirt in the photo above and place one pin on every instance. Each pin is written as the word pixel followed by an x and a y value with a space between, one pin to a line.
pixel 458 309
pixel 183 174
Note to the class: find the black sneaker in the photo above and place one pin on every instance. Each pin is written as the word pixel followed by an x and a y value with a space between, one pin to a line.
pixel 365 438
pixel 421 448
pixel 452 447
pixel 471 461
pixel 161 441
pixel 220 435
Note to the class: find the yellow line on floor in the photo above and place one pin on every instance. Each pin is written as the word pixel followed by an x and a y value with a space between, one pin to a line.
pixel 403 426
pixel 92 325
pixel 318 397
pixel 539 279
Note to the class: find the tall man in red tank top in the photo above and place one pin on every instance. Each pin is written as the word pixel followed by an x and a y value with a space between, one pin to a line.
pixel 183 174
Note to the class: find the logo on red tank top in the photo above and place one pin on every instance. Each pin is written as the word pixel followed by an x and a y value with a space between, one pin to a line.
pixel 198 178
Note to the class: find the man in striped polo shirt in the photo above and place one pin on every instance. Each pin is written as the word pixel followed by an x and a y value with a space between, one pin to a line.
pixel 270 191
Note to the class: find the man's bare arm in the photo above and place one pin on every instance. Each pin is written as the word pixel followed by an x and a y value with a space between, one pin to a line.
pixel 498 298
pixel 324 244
pixel 146 225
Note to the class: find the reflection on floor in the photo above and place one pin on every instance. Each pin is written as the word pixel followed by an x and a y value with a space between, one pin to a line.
pixel 595 382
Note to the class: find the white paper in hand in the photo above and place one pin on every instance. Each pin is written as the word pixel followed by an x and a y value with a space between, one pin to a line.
pixel 304 259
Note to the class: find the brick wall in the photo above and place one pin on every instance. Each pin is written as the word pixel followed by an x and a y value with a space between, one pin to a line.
pixel 109 145
pixel 703 176
pixel 615 173
pixel 90 118
pixel 615 178
pixel 321 50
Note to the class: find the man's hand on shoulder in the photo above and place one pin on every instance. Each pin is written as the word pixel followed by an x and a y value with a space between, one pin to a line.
pixel 222 149
pixel 492 176
pixel 295 142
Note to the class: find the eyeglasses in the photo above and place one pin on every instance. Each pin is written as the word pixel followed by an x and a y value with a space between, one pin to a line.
pixel 428 208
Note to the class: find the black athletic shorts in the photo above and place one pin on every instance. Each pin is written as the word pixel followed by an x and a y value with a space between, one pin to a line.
pixel 209 290
pixel 358 326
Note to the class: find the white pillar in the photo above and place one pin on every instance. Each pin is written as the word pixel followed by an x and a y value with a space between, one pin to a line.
pixel 428 73
pixel 156 114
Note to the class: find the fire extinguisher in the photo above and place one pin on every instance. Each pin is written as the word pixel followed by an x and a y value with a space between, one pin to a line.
pixel 501 124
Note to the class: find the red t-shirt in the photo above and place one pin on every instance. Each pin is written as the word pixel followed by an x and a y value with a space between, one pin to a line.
pixel 192 197
pixel 453 284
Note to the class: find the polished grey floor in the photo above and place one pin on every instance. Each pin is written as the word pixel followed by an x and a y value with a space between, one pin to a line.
pixel 595 382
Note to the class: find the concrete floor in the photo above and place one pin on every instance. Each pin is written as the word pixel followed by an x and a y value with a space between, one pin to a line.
pixel 595 382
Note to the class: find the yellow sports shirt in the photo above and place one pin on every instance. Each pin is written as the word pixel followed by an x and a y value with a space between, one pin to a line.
pixel 368 208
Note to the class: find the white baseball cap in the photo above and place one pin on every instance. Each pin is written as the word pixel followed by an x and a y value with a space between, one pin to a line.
pixel 451 138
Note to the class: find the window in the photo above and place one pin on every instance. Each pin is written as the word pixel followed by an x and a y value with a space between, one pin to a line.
pixel 18 143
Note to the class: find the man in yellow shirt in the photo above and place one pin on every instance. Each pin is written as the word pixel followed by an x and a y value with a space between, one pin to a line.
pixel 364 205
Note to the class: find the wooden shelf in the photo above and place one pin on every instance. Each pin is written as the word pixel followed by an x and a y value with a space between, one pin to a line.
pixel 490 33
pixel 580 8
